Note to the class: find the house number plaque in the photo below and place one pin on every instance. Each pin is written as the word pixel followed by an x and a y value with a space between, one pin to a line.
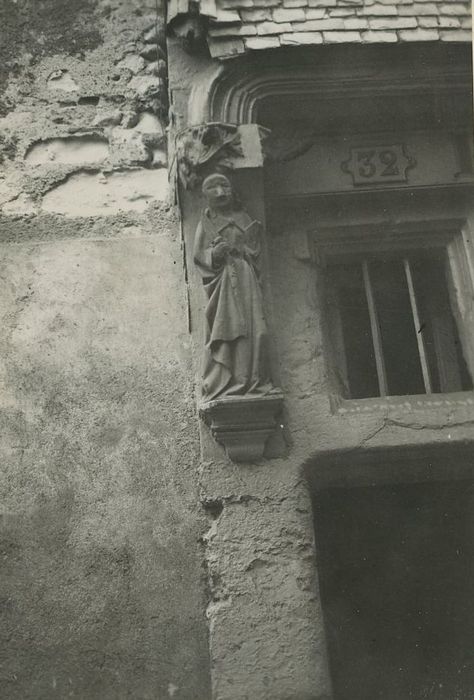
pixel 378 164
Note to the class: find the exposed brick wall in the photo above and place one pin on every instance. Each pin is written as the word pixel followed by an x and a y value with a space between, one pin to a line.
pixel 236 26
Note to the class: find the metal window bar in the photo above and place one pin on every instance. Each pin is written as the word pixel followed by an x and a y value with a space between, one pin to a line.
pixel 418 330
pixel 375 328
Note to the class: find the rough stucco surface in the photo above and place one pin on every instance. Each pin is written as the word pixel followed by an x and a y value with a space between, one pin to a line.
pixel 99 518
pixel 266 629
pixel 102 587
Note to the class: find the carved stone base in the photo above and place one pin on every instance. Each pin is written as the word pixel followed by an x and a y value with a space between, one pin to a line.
pixel 242 424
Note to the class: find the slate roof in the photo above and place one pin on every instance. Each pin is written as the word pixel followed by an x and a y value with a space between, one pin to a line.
pixel 236 26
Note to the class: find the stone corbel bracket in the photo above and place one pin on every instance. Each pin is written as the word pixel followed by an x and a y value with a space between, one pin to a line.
pixel 217 147
pixel 243 424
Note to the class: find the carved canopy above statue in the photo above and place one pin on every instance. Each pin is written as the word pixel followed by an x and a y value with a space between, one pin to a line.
pixel 205 148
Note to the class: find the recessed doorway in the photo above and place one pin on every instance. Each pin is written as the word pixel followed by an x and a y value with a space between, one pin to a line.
pixel 396 568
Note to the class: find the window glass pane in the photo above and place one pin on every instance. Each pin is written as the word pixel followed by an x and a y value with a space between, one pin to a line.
pixel 466 379
pixel 399 344
pixel 435 320
pixel 352 302
pixel 448 367
pixel 400 349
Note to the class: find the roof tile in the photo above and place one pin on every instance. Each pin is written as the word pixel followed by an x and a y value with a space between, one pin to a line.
pixel 356 23
pixel 273 27
pixel 262 42
pixel 383 37
pixel 343 12
pixel 393 23
pixel 266 3
pixel 450 22
pixel 209 8
pixel 239 25
pixel 419 9
pixel 427 22
pixel 259 14
pixel 232 4
pixel 418 34
pixel 378 10
pixel 318 25
pixel 315 12
pixel 226 16
pixel 284 14
pixel 242 30
pixel 301 38
pixel 454 9
pixel 341 37
pixel 455 35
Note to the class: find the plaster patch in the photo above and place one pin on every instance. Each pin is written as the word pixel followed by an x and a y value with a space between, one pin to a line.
pixel 127 147
pixel 93 194
pixel 108 117
pixel 143 84
pixel 134 64
pixel 149 124
pixel 21 205
pixel 6 193
pixel 160 158
pixel 69 149
pixel 62 80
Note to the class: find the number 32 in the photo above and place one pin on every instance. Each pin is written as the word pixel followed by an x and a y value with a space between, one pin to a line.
pixel 372 161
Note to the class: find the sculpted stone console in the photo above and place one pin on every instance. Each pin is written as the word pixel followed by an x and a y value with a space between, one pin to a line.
pixel 243 424
pixel 239 400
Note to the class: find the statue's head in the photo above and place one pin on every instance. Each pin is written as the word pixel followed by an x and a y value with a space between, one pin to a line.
pixel 218 191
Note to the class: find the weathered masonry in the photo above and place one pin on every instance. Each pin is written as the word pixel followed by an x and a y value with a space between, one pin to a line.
pixel 236 350
pixel 324 170
pixel 102 588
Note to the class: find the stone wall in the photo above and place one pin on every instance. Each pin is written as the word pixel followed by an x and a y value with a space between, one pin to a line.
pixel 101 585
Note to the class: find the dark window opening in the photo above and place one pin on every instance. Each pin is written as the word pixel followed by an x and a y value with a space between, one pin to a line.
pixel 393 325
pixel 396 569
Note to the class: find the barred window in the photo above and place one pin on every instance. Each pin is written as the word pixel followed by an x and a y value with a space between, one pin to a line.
pixel 395 322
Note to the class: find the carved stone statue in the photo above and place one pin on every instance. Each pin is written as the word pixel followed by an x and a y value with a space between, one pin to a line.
pixel 227 255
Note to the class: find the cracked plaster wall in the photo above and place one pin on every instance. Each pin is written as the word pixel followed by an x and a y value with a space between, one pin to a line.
pixel 102 591
pixel 93 94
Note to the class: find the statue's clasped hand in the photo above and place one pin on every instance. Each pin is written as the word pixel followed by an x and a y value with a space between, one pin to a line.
pixel 220 250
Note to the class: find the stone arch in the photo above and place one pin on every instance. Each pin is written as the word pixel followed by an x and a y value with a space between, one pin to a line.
pixel 231 92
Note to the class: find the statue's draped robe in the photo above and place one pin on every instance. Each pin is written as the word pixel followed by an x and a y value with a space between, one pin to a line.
pixel 236 359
